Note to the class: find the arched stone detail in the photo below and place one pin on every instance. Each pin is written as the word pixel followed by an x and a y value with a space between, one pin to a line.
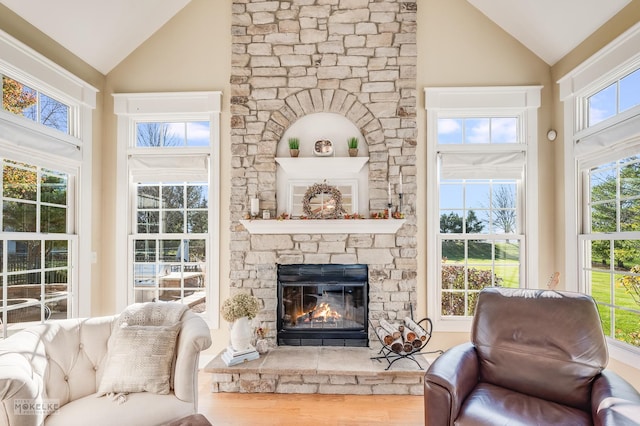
pixel 311 101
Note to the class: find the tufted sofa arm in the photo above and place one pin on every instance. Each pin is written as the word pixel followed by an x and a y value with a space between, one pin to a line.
pixel 449 380
pixel 18 383
pixel 614 401
pixel 194 337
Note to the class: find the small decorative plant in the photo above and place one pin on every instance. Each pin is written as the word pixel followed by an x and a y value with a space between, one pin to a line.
pixel 352 143
pixel 294 143
pixel 294 146
pixel 240 305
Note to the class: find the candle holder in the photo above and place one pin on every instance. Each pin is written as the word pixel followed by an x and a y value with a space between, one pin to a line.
pixel 399 208
pixel 254 207
pixel 389 215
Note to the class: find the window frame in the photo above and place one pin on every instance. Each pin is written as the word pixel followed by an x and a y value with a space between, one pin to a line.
pixel 481 102
pixel 618 58
pixel 31 142
pixel 132 108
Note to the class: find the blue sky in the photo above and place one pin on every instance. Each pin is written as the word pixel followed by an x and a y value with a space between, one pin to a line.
pixel 606 103
pixel 195 133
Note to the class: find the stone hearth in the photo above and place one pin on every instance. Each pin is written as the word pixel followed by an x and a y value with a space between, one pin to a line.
pixel 326 370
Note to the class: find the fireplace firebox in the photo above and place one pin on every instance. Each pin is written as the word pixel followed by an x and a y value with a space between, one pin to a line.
pixel 322 305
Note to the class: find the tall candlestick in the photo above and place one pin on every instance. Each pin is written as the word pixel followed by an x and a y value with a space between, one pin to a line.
pixel 401 183
pixel 389 192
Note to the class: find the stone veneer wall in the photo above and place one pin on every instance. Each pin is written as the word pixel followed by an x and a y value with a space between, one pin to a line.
pixel 352 57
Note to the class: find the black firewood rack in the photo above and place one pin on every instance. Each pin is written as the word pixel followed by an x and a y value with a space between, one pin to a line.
pixel 391 356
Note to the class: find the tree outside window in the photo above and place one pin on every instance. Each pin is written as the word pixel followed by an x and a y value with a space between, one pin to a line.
pixel 615 261
pixel 22 100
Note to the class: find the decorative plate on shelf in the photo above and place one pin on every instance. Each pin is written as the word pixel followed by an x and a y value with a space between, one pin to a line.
pixel 323 148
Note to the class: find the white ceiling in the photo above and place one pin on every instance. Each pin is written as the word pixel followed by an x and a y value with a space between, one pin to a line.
pixel 104 32
pixel 100 32
pixel 550 28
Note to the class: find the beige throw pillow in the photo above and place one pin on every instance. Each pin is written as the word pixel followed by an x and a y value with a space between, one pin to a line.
pixel 139 359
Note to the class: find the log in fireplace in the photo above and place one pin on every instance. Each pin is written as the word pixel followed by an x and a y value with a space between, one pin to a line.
pixel 322 305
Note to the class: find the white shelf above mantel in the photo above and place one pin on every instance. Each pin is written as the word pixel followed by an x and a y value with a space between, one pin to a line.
pixel 328 166
pixel 323 226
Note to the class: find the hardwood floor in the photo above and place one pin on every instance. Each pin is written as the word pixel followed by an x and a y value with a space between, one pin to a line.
pixel 297 409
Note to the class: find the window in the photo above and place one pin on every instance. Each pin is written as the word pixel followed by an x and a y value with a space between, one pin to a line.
pixel 169 225
pixel 481 186
pixel 157 134
pixel 478 130
pixel 602 188
pixel 171 267
pixel 480 228
pixel 614 99
pixel 45 155
pixel 22 100
pixel 479 239
pixel 611 244
pixel 36 276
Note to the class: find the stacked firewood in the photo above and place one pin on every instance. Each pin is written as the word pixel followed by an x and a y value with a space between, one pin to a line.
pixel 405 337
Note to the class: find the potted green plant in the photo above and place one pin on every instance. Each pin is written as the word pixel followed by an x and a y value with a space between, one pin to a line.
pixel 352 142
pixel 294 146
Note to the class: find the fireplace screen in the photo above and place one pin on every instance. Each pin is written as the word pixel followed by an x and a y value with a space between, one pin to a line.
pixel 322 305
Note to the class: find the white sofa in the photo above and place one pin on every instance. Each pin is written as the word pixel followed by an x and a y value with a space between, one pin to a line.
pixel 62 363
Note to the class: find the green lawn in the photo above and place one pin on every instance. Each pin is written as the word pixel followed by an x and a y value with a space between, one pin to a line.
pixel 506 258
pixel 480 251
pixel 627 324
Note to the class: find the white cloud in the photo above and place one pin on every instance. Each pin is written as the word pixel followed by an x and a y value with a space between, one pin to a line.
pixel 448 126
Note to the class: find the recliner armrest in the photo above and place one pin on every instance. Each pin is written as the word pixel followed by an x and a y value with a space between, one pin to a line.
pixel 448 381
pixel 614 401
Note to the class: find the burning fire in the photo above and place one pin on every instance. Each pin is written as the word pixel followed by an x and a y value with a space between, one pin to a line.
pixel 321 313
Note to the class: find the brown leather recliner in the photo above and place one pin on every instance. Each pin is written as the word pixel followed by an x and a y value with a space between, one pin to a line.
pixel 536 357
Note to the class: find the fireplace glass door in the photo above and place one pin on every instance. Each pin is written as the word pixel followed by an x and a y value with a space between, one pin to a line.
pixel 323 305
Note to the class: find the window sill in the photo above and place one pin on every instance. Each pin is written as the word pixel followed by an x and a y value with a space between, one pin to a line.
pixel 623 354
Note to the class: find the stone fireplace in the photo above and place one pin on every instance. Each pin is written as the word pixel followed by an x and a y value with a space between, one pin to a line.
pixel 351 58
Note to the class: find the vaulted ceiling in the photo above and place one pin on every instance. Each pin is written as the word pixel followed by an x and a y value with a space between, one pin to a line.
pixel 100 32
pixel 104 32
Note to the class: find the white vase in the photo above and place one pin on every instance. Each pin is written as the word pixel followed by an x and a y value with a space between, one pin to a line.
pixel 241 334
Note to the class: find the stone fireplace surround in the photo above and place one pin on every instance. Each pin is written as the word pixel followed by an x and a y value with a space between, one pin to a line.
pixel 292 58
pixel 356 58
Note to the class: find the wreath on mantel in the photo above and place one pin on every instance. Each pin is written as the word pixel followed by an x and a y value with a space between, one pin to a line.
pixel 329 209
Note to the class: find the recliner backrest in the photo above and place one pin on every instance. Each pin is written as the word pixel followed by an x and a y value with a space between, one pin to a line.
pixel 543 343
